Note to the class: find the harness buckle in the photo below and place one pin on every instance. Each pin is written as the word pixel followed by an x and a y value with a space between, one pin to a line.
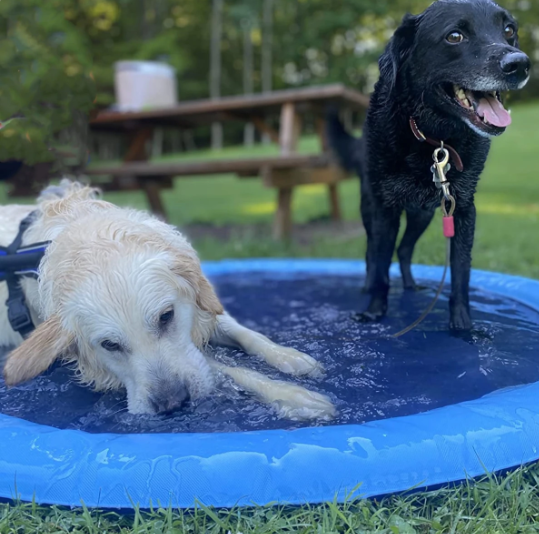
pixel 19 315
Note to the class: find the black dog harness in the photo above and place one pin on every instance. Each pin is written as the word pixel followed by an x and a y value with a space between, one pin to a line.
pixel 17 262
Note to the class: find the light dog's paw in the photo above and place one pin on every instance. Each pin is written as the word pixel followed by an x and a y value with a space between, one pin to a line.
pixel 300 404
pixel 286 359
pixel 291 401
pixel 296 363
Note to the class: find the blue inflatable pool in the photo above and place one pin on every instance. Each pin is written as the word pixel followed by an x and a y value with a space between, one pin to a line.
pixel 426 409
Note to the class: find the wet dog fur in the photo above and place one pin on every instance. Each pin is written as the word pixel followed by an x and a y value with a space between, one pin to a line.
pixel 122 297
pixel 423 66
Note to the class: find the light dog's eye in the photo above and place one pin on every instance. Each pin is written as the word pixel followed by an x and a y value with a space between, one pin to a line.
pixel 509 31
pixel 455 38
pixel 111 346
pixel 166 317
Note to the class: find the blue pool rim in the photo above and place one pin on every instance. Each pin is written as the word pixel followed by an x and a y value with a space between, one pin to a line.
pixel 308 465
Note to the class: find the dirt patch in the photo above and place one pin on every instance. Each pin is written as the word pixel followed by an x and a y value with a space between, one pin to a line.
pixel 304 234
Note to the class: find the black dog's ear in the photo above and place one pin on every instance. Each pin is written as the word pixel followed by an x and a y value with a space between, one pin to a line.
pixel 398 48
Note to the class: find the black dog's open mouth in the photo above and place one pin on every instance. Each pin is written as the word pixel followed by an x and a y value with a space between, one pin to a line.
pixel 483 109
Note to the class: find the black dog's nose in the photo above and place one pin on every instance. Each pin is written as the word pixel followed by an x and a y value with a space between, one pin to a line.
pixel 170 401
pixel 516 63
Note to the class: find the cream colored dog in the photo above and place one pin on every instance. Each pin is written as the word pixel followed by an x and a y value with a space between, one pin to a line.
pixel 121 295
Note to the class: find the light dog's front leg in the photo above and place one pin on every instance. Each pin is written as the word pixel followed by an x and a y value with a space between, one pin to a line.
pixel 291 401
pixel 286 359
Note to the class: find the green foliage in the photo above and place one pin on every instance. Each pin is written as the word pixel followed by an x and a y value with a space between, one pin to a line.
pixel 44 79
pixel 49 48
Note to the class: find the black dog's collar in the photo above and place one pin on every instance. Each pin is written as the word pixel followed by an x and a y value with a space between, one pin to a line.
pixel 16 262
pixel 420 136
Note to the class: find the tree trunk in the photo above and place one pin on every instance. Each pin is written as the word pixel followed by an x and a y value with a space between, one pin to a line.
pixel 160 15
pixel 249 132
pixel 215 68
pixel 267 45
pixel 145 27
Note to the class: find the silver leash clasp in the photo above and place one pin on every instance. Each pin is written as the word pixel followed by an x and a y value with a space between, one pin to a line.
pixel 439 169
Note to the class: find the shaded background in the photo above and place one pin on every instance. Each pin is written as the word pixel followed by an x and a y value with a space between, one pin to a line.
pixel 52 52
pixel 57 59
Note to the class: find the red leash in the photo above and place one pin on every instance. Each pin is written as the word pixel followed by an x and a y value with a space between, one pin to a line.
pixel 441 162
pixel 422 138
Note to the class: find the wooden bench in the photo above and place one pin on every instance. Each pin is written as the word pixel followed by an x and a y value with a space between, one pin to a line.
pixel 282 172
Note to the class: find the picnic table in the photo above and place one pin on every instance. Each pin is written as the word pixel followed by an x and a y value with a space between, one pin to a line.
pixel 284 171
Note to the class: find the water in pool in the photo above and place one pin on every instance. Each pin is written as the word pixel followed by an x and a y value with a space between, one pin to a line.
pixel 369 375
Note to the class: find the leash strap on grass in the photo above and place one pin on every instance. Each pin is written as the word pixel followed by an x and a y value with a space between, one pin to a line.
pixel 436 297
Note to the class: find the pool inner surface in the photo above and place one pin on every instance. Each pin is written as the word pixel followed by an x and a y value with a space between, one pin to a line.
pixel 369 375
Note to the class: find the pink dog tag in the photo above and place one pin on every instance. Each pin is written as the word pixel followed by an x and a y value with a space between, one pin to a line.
pixel 449 227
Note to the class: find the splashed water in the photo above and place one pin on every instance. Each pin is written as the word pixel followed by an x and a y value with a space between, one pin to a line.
pixel 368 374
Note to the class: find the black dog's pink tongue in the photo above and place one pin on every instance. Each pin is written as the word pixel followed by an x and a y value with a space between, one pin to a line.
pixel 492 110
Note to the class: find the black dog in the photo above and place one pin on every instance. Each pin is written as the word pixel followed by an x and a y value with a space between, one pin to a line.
pixel 441 75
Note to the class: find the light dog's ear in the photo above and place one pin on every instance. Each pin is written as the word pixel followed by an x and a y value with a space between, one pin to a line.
pixel 37 353
pixel 398 49
pixel 188 268
pixel 207 300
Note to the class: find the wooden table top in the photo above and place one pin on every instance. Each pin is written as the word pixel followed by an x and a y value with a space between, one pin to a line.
pixel 243 107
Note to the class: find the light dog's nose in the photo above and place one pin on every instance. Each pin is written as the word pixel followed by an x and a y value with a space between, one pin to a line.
pixel 171 401
pixel 516 63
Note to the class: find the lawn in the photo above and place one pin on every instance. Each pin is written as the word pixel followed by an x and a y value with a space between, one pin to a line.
pixel 508 222
pixel 507 205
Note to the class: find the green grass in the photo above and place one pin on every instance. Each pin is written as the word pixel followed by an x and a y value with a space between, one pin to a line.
pixel 506 240
pixel 507 205
pixel 507 504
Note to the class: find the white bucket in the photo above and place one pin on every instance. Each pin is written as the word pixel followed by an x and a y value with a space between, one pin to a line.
pixel 143 85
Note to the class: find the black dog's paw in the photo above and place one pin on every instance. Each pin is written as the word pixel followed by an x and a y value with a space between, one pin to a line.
pixel 408 281
pixel 472 337
pixel 460 319
pixel 415 287
pixel 367 317
pixel 375 312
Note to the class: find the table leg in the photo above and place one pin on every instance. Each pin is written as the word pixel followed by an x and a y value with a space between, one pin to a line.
pixel 282 228
pixel 334 204
pixel 289 132
pixel 137 148
pixel 290 128
pixel 152 188
pixel 137 152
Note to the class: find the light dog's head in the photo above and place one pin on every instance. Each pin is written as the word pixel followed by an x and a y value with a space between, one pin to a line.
pixel 125 300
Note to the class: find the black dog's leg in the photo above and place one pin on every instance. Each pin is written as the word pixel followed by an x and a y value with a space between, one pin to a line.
pixel 416 223
pixel 367 215
pixel 385 228
pixel 461 261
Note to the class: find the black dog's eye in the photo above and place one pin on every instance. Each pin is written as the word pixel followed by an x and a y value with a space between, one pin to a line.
pixel 455 38
pixel 509 31
pixel 166 317
pixel 111 346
